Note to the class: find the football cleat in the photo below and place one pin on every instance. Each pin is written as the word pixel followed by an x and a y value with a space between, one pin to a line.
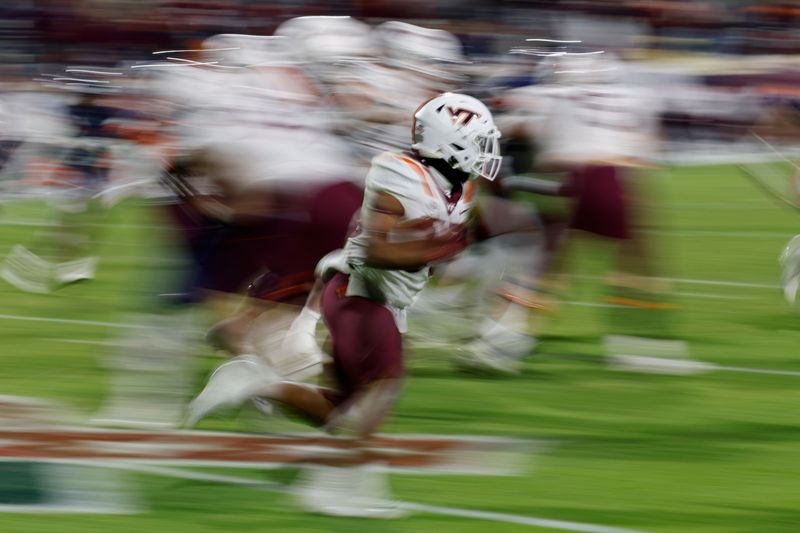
pixel 357 491
pixel 499 350
pixel 76 270
pixel 652 356
pixel 27 271
pixel 230 385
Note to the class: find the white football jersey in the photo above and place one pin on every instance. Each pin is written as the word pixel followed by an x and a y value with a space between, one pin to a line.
pixel 603 123
pixel 261 125
pixel 424 193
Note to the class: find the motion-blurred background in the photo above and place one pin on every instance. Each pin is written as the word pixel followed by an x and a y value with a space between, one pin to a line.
pixel 652 144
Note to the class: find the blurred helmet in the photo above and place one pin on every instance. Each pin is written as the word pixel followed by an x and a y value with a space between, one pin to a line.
pixel 240 50
pixel 460 130
pixel 429 51
pixel 580 68
pixel 326 40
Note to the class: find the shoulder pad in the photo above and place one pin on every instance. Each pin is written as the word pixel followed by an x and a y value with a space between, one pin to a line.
pixel 396 168
pixel 402 177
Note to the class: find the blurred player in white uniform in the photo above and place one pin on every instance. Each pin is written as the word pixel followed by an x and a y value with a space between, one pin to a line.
pixel 416 63
pixel 415 211
pixel 375 98
pixel 380 76
pixel 68 157
pixel 263 192
pixel 777 128
pixel 375 77
pixel 600 132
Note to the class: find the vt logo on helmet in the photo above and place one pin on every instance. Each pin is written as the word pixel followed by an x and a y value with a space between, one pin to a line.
pixel 460 130
pixel 462 116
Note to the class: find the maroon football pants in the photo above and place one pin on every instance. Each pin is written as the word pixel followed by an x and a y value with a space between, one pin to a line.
pixel 367 346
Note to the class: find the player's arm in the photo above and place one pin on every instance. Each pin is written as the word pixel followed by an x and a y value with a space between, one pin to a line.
pixel 387 246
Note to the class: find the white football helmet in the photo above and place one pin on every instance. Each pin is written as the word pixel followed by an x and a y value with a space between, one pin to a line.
pixel 241 50
pixel 459 129
pixel 429 51
pixel 581 68
pixel 327 42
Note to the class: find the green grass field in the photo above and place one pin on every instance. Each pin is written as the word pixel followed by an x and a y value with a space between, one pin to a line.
pixel 708 453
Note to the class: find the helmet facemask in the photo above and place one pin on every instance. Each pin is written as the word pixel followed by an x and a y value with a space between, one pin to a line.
pixel 487 164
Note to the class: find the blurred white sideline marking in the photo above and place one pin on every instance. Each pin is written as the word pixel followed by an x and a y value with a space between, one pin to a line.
pixel 533 521
pixel 747 370
pixel 687 281
pixel 711 367
pixel 76 322
pixel 690 281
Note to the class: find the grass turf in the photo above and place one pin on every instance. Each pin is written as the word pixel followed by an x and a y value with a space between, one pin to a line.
pixel 715 452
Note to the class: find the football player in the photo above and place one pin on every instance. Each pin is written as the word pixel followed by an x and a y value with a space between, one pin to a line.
pixel 261 187
pixel 778 127
pixel 600 133
pixel 80 170
pixel 415 210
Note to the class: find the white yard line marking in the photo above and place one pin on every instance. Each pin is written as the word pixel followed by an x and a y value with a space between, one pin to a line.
pixel 85 341
pixel 70 321
pixel 721 233
pixel 758 371
pixel 568 302
pixel 55 508
pixel 699 295
pixel 710 366
pixel 689 281
pixel 709 296
pixel 50 224
pixel 758 205
pixel 533 521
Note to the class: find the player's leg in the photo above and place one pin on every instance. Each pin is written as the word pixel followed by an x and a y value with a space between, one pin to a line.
pixel 149 376
pixel 366 366
pixel 360 487
pixel 294 250
pixel 272 328
pixel 148 366
pixel 511 305
pixel 642 329
pixel 511 263
pixel 78 217
pixel 368 362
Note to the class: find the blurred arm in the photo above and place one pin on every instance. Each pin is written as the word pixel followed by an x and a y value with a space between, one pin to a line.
pixel 384 219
